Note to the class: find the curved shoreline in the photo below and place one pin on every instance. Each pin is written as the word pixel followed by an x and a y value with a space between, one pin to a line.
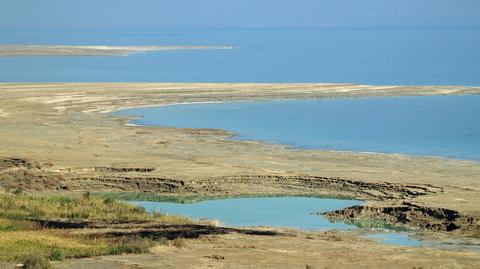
pixel 51 145
pixel 232 134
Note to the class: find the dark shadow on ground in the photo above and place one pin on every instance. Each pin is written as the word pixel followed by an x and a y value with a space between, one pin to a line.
pixel 150 230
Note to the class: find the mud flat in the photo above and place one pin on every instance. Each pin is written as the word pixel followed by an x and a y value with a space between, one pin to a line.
pixel 58 138
pixel 51 50
pixel 288 249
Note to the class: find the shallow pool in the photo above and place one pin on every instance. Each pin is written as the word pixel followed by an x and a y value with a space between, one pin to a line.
pixel 296 212
pixel 287 212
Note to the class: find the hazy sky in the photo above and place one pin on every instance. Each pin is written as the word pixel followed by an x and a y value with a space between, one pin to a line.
pixel 239 13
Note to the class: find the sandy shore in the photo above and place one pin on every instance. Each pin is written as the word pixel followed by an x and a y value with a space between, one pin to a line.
pixel 55 139
pixel 57 50
pixel 64 125
pixel 291 249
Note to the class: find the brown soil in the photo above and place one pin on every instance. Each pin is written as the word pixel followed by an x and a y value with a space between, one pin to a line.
pixel 55 139
pixel 288 250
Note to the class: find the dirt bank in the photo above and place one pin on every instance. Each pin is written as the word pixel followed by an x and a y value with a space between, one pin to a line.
pixel 411 215
pixel 27 175
pixel 289 249
pixel 55 139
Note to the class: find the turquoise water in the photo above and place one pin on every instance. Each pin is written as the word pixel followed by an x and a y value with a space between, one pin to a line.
pixel 395 238
pixel 296 212
pixel 368 55
pixel 289 212
pixel 446 126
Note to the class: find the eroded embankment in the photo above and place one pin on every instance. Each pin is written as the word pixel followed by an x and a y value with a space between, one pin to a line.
pixel 18 173
pixel 432 219
pixel 29 175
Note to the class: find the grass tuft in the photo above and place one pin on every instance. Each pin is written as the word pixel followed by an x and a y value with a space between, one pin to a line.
pixel 21 235
pixel 27 207
pixel 35 261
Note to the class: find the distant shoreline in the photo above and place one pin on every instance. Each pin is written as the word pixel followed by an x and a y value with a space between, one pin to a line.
pixel 62 50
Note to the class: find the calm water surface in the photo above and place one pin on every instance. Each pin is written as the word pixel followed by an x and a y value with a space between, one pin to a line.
pixel 368 55
pixel 447 126
pixel 297 212
pixel 291 212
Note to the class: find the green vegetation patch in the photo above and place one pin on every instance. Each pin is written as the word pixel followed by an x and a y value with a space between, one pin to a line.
pixel 54 244
pixel 22 237
pixel 27 207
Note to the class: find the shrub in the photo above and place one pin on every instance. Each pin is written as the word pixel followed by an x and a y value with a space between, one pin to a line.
pixel 179 242
pixel 86 195
pixel 108 200
pixel 56 255
pixel 17 191
pixel 130 244
pixel 35 261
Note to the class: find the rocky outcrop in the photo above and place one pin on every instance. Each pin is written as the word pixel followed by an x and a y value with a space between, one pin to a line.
pixel 14 162
pixel 428 218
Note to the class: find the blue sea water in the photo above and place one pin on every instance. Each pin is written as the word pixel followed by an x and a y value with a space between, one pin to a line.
pixel 383 42
pixel 379 55
pixel 445 126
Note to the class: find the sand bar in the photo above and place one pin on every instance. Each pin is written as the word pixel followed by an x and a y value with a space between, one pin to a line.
pixel 61 50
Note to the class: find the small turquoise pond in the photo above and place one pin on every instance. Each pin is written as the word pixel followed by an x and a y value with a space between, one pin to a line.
pixel 295 212
pixel 287 212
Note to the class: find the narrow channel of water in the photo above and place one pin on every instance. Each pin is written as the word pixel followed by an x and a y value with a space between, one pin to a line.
pixel 287 212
